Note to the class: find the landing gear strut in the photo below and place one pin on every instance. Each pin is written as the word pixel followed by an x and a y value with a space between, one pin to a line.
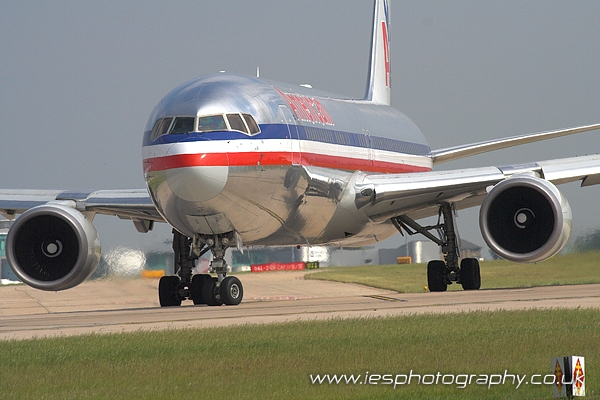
pixel 200 288
pixel 441 273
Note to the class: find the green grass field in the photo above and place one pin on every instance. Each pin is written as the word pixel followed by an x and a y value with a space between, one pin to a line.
pixel 276 361
pixel 575 268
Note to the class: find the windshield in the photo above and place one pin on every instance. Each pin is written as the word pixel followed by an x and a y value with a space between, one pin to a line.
pixel 212 123
pixel 183 125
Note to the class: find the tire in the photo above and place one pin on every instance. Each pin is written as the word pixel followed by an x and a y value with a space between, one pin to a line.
pixel 196 288
pixel 168 291
pixel 210 293
pixel 470 277
pixel 436 276
pixel 232 291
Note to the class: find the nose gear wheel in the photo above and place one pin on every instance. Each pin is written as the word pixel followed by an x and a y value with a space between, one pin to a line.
pixel 200 288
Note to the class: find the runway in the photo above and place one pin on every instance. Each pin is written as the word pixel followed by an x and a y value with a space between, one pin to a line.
pixel 125 305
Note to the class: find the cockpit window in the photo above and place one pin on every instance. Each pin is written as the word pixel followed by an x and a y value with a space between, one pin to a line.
pixel 164 126
pixel 154 134
pixel 212 123
pixel 229 122
pixel 161 127
pixel 244 123
pixel 252 126
pixel 183 125
pixel 236 123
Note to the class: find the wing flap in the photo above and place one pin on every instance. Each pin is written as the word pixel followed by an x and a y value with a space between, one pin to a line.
pixel 134 204
pixel 584 168
pixel 408 193
pixel 418 195
pixel 17 201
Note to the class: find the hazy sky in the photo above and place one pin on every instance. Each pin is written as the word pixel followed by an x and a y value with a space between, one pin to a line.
pixel 78 79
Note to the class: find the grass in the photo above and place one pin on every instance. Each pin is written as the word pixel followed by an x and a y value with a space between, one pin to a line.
pixel 276 361
pixel 569 269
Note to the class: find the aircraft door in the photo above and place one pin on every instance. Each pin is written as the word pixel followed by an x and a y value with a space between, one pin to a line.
pixel 367 143
pixel 289 120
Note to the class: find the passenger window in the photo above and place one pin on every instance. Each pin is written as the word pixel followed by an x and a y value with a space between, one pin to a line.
pixel 236 123
pixel 211 123
pixel 252 125
pixel 183 125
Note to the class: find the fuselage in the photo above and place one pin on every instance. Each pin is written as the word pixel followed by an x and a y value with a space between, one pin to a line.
pixel 272 161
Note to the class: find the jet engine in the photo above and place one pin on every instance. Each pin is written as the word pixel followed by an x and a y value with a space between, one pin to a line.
pixel 53 247
pixel 525 219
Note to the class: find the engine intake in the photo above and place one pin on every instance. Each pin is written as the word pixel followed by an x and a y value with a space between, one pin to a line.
pixel 53 247
pixel 525 219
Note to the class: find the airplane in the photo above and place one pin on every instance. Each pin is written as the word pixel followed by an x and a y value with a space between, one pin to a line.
pixel 232 161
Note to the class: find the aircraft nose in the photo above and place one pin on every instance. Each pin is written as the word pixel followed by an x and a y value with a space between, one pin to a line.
pixel 196 176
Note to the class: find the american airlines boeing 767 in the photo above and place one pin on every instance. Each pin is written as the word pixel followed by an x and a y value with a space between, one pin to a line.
pixel 232 161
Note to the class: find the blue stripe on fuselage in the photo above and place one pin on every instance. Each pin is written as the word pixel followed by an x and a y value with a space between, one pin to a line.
pixel 314 134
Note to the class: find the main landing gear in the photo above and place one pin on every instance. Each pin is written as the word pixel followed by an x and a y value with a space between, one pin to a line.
pixel 441 273
pixel 200 288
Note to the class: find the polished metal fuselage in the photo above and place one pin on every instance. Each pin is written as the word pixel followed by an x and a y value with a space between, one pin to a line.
pixel 295 182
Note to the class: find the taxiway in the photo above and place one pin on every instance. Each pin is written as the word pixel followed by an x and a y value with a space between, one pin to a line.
pixel 125 305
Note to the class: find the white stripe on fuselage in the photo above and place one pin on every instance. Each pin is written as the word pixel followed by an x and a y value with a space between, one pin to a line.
pixel 278 145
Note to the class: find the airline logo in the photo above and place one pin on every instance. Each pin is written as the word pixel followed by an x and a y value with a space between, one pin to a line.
pixel 578 377
pixel 386 43
pixel 386 53
pixel 569 376
pixel 558 377
pixel 386 11
pixel 307 109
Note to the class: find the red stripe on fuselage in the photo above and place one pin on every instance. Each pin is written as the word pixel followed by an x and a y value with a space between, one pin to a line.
pixel 185 160
pixel 253 159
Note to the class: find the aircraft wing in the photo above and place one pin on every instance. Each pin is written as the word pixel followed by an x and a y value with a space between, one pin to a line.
pixel 134 204
pixel 461 151
pixel 418 195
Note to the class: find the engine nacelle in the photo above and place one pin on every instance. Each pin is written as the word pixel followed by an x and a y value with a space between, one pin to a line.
pixel 525 219
pixel 53 247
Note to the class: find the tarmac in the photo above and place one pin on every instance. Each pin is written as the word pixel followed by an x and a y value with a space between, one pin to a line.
pixel 126 305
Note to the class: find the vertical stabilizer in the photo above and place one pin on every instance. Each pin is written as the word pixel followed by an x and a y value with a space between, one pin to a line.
pixel 379 83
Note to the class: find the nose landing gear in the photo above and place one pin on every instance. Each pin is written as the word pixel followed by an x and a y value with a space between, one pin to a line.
pixel 200 288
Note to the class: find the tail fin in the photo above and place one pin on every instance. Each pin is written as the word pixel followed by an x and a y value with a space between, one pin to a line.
pixel 379 84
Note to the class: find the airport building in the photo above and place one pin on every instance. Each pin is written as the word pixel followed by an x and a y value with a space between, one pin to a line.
pixel 420 251
pixel 423 251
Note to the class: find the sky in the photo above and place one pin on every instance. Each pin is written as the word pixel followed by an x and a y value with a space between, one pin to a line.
pixel 78 80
